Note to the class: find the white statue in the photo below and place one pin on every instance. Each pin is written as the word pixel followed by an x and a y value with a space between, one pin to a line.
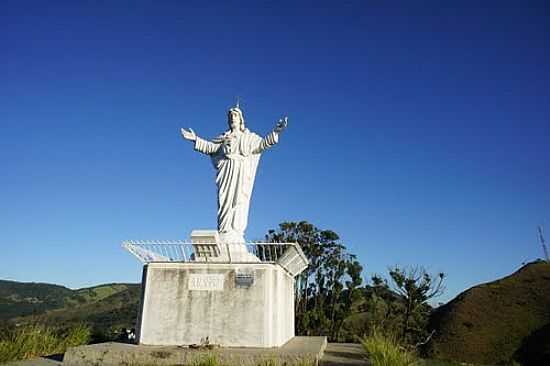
pixel 235 155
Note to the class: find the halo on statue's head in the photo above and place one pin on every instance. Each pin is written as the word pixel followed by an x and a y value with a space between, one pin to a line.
pixel 236 109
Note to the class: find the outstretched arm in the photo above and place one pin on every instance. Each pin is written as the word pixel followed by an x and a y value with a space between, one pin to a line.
pixel 201 145
pixel 273 137
pixel 188 134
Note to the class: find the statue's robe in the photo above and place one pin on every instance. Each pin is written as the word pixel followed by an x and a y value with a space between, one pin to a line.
pixel 235 157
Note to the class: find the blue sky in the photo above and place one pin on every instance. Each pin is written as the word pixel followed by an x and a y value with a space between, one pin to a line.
pixel 418 131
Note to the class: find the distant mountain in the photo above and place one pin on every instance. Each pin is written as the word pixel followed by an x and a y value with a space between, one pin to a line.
pixel 104 307
pixel 496 322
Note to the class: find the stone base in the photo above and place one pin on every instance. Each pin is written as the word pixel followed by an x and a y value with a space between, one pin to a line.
pixel 298 351
pixel 231 305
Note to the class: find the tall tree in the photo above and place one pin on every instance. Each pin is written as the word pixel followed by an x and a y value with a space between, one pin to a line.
pixel 326 289
pixel 416 286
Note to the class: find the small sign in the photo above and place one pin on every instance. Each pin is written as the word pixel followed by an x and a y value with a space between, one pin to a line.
pixel 244 279
pixel 206 282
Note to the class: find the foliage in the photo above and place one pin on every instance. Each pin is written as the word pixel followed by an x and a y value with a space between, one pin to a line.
pixel 38 340
pixel 401 308
pixel 416 286
pixel 383 309
pixel 385 350
pixel 326 290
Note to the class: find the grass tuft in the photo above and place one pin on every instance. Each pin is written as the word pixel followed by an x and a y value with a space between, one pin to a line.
pixel 385 350
pixel 38 340
pixel 209 360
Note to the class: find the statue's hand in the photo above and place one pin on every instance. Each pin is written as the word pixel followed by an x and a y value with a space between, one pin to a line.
pixel 281 125
pixel 188 134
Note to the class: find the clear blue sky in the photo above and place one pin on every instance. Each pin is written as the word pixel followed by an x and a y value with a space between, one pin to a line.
pixel 418 131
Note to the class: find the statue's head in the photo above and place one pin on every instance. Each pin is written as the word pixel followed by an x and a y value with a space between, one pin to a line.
pixel 235 119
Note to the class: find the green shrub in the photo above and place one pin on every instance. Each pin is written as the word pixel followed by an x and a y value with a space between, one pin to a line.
pixel 39 340
pixel 385 350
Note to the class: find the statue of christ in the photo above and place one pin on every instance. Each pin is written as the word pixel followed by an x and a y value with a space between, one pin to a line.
pixel 235 155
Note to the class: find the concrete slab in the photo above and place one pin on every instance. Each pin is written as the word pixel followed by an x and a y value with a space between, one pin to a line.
pixel 300 351
pixel 344 354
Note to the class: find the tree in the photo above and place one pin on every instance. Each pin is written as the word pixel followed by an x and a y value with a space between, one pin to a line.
pixel 383 308
pixel 326 290
pixel 416 287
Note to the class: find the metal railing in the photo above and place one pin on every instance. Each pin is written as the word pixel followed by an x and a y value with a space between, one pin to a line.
pixel 150 251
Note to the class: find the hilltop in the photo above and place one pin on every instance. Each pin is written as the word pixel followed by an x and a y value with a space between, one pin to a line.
pixel 498 321
pixel 491 323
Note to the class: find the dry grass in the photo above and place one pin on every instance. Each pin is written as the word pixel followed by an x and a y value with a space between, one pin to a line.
pixel 38 340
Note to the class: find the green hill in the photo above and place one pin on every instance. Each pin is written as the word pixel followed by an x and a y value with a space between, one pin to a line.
pixel 105 307
pixel 20 299
pixel 109 313
pixel 498 321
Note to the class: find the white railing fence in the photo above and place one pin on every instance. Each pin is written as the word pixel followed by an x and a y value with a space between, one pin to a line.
pixel 288 255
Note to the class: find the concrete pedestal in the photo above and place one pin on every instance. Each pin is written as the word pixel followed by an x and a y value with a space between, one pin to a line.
pixel 234 305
